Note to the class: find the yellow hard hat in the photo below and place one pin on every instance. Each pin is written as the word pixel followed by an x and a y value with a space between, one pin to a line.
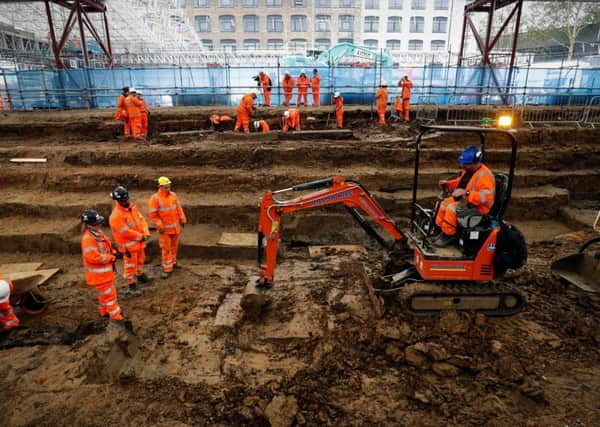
pixel 163 180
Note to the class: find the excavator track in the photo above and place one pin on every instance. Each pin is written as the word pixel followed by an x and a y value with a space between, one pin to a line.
pixel 427 299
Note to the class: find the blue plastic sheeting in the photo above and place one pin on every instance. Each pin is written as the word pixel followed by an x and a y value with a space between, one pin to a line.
pixel 224 85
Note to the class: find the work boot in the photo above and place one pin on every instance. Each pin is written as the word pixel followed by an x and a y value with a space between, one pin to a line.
pixel 143 278
pixel 165 275
pixel 133 290
pixel 443 240
pixel 177 265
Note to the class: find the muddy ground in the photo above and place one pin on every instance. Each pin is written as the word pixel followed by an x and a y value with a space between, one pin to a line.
pixel 323 352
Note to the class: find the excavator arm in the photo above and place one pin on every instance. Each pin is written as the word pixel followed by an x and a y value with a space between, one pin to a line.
pixel 330 191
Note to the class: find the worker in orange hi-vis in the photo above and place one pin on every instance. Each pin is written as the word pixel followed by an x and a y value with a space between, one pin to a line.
pixel 1 103
pixel 130 231
pixel 406 86
pixel 303 83
pixel 121 113
pixel 288 84
pixel 244 110
pixel 99 263
pixel 265 82
pixel 291 120
pixel 261 126
pixel 382 99
pixel 166 213
pixel 339 109
pixel 8 318
pixel 220 123
pixel 134 113
pixel 316 87
pixel 145 113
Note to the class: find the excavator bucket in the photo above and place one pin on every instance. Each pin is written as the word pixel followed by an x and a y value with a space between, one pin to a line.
pixel 581 269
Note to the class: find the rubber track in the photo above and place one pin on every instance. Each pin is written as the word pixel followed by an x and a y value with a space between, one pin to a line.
pixel 462 290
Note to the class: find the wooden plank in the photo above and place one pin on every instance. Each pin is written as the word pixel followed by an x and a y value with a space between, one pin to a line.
pixel 28 160
pixel 185 133
pixel 27 280
pixel 18 267
pixel 317 251
pixel 245 240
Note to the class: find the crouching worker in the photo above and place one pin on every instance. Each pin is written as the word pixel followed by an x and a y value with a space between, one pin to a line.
pixel 291 120
pixel 99 263
pixel 261 126
pixel 8 318
pixel 473 193
pixel 221 123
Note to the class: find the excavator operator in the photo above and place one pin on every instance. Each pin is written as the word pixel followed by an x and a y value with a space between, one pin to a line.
pixel 473 193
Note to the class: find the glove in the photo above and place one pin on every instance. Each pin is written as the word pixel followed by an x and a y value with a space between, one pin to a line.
pixel 145 238
pixel 118 255
pixel 127 253
pixel 161 230
pixel 183 225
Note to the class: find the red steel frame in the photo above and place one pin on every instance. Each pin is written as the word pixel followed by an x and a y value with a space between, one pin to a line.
pixel 79 12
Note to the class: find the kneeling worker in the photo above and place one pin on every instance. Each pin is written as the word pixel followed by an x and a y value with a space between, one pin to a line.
pixel 474 190
pixel 261 126
pixel 220 123
pixel 291 120
pixel 8 318
pixel 99 262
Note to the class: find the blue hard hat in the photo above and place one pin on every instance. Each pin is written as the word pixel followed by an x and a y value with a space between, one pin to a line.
pixel 470 155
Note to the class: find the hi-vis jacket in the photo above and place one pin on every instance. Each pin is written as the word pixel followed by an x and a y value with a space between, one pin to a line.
pixel 98 257
pixel 481 188
pixel 128 227
pixel 166 212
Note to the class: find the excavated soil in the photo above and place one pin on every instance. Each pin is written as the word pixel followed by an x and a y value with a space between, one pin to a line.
pixel 324 351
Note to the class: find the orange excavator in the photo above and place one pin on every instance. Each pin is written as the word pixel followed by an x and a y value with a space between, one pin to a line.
pixel 428 278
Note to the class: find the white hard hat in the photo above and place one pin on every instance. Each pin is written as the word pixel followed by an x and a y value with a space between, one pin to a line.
pixel 336 95
pixel 286 114
pixel 4 291
pixel 256 124
pixel 302 71
pixel 132 89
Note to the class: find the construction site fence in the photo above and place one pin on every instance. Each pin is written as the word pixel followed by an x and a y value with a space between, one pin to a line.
pixel 225 85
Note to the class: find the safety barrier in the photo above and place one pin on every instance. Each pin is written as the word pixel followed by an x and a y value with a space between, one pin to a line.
pixel 428 111
pixel 535 114
pixel 459 113
pixel 591 114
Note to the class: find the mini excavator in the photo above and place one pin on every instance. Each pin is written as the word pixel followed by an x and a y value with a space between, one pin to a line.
pixel 429 279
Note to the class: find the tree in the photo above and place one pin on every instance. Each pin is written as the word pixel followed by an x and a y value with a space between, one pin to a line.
pixel 562 20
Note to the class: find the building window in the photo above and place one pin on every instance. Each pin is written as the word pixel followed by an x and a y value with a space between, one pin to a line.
pixel 228 45
pixel 415 45
pixel 274 24
pixel 249 3
pixel 418 4
pixel 202 23
pixel 345 40
pixel 201 3
pixel 297 3
pixel 371 4
pixel 322 44
pixel 273 3
pixel 323 23
pixel 226 3
pixel 298 44
pixel 440 24
pixel 275 44
pixel 392 44
pixel 440 4
pixel 394 4
pixel 346 3
pixel 417 24
pixel 394 24
pixel 207 44
pixel 251 44
pixel 438 45
pixel 227 23
pixel 324 3
pixel 371 24
pixel 371 43
pixel 346 23
pixel 298 23
pixel 250 23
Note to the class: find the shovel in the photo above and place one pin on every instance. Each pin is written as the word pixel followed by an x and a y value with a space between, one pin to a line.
pixel 581 269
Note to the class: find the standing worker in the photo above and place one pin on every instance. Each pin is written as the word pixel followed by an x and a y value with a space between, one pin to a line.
pixel 99 263
pixel 266 84
pixel 145 114
pixel 406 86
pixel 288 84
pixel 166 213
pixel 339 109
pixel 261 126
pixel 316 87
pixel 303 84
pixel 121 113
pixel 291 120
pixel 134 113
pixel 130 231
pixel 382 99
pixel 8 318
pixel 244 110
